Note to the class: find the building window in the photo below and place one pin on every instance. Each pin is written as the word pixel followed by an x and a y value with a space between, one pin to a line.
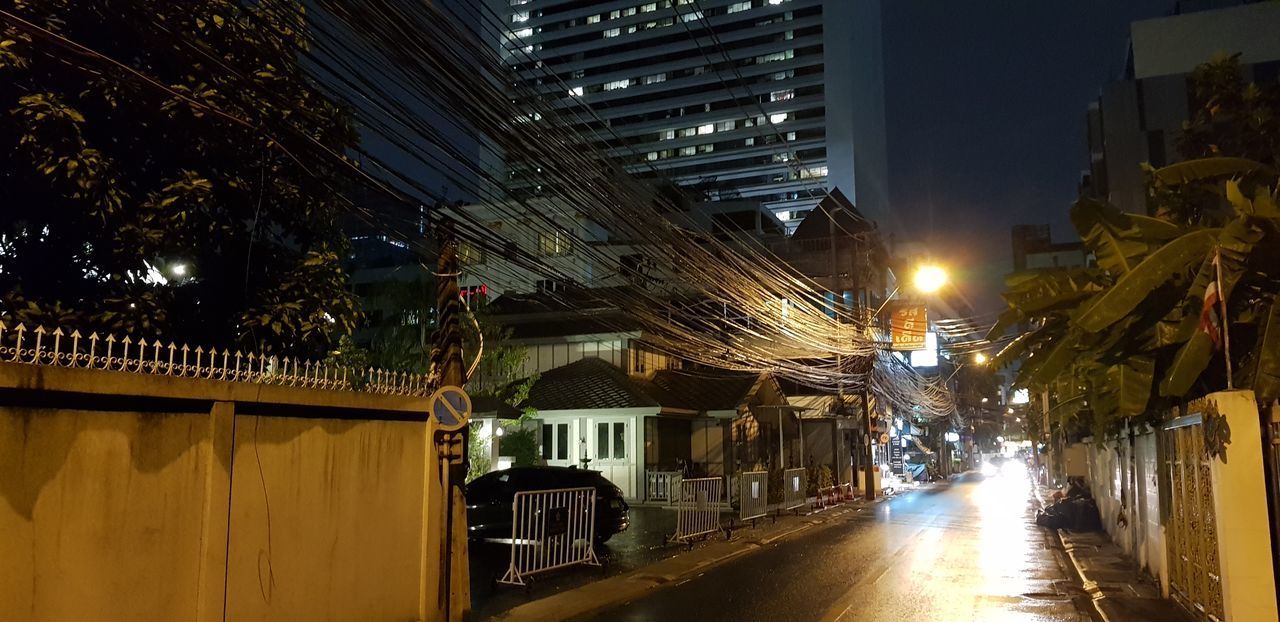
pixel 667 135
pixel 725 126
pixel 813 172
pixel 616 84
pixel 524 32
pixel 687 151
pixel 519 17
pixel 777 117
pixel 688 131
pixel 655 78
pixel 553 244
pixel 555 441
pixel 612 32
pixel 649 8
pixel 706 128
pixel 783 95
pixel 739 6
pixel 576 91
pixel 611 441
pixel 691 16
pixel 593 19
pixel 706 148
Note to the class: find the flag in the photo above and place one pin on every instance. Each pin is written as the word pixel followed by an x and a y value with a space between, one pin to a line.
pixel 1210 320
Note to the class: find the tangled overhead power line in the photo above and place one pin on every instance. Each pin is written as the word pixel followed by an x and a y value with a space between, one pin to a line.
pixel 416 81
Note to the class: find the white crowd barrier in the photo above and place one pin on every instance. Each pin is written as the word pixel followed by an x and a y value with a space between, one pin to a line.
pixel 753 495
pixel 794 485
pixel 698 508
pixel 551 529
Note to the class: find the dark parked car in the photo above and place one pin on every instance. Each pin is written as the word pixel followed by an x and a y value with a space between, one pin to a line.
pixel 490 496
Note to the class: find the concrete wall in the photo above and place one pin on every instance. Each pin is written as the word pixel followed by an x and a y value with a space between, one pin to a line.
pixel 1122 474
pixel 133 497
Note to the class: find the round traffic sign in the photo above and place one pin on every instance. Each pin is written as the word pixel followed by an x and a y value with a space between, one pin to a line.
pixel 884 439
pixel 451 407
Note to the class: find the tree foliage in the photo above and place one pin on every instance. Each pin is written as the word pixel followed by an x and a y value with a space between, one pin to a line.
pixel 1122 339
pixel 179 179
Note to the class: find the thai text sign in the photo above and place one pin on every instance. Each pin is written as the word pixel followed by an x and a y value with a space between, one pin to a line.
pixel 908 327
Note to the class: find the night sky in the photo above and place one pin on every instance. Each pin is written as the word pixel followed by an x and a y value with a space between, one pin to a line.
pixel 986 110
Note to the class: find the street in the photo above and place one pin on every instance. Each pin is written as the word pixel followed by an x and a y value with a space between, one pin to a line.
pixel 965 551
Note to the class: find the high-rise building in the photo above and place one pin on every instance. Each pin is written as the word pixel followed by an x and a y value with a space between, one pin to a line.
pixel 1138 118
pixel 777 101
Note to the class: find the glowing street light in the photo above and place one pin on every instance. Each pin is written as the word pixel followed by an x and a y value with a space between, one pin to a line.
pixel 178 269
pixel 980 359
pixel 930 278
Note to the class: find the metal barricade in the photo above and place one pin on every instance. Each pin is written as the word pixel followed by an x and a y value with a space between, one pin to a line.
pixel 846 491
pixel 698 508
pixel 551 529
pixel 753 495
pixel 661 485
pixel 794 488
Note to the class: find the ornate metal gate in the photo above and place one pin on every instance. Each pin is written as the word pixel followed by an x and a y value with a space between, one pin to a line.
pixel 1191 526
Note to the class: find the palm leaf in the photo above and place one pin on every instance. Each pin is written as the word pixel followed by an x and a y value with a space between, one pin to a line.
pixel 1169 261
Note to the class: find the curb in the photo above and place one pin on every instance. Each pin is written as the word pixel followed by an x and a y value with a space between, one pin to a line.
pixel 1090 587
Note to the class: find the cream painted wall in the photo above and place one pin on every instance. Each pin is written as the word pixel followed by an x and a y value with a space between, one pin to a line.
pixel 100 514
pixel 1240 504
pixel 325 519
pixel 111 511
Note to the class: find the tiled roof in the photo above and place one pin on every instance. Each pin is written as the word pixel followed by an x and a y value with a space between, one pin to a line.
pixel 587 384
pixel 703 391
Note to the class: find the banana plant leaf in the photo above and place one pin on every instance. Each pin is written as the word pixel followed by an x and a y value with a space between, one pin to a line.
pixel 1008 317
pixel 1264 203
pixel 1111 234
pixel 1131 381
pixel 1266 375
pixel 1190 362
pixel 1046 365
pixel 1172 259
pixel 1048 290
pixel 1016 348
pixel 1208 168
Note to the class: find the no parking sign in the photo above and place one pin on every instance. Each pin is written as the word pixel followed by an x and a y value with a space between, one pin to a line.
pixel 451 407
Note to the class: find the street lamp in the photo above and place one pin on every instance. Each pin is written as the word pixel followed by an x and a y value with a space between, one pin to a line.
pixel 928 279
pixel 979 359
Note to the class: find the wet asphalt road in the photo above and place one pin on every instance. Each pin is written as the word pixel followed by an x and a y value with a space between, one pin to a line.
pixel 965 551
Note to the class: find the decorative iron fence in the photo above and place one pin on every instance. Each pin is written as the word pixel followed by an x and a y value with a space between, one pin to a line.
pixel 59 348
pixel 1195 578
pixel 661 486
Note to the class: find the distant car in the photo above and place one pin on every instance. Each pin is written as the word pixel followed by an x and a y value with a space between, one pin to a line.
pixel 489 499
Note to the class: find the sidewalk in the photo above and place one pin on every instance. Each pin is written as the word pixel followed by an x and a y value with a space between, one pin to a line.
pixel 613 590
pixel 1119 590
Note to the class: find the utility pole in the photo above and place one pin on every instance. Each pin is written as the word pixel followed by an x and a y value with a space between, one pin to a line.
pixel 446 357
